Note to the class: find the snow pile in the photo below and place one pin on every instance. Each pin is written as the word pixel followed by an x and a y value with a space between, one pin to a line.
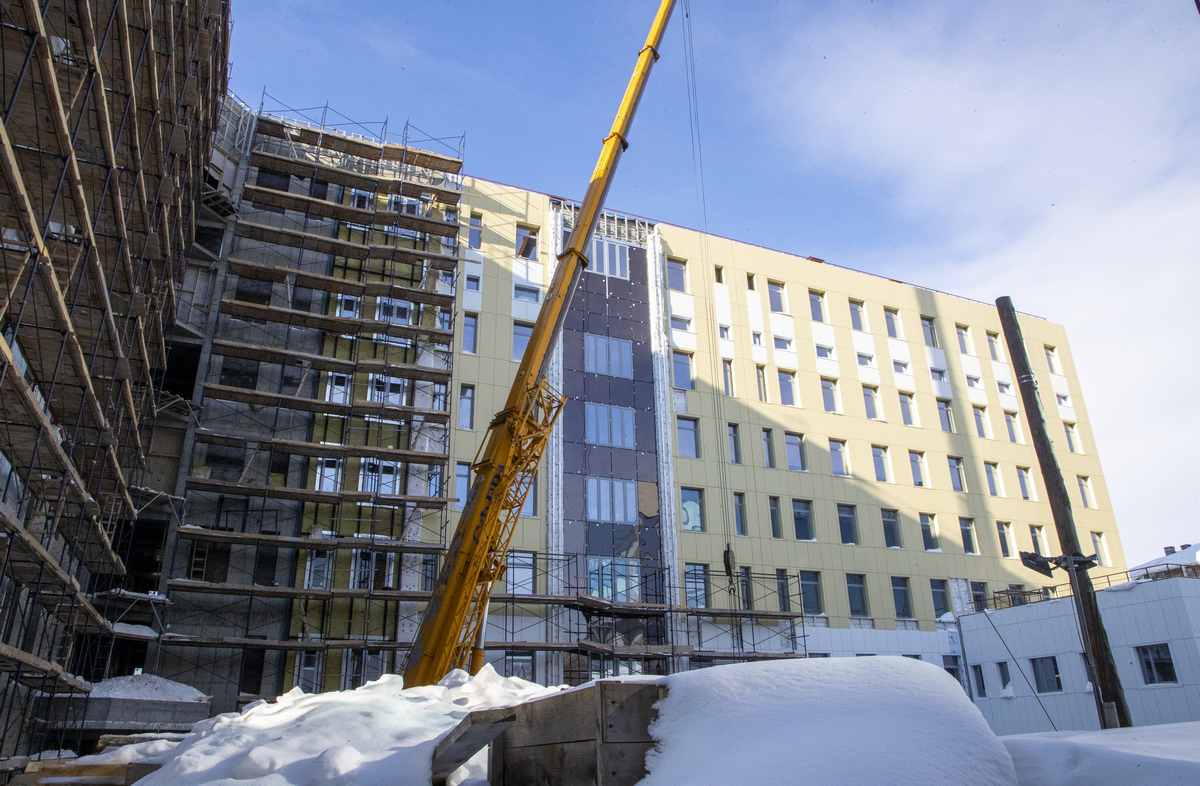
pixel 1188 556
pixel 1163 755
pixel 134 631
pixel 377 734
pixel 826 720
pixel 145 686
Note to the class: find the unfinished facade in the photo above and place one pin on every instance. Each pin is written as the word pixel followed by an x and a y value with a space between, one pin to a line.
pixel 108 112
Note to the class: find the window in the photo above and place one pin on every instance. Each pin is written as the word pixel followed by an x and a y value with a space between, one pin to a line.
pixel 746 587
pixel 760 376
pixel 900 597
pixel 687 431
pixel 866 360
pixel 776 520
pixel 1025 481
pixel 609 356
pixel 372 570
pixel 979 595
pixel 783 343
pixel 608 425
pixel 810 591
pixel 848 525
pixel 470 331
pixel 980 687
pixel 397 312
pixel 856 589
pixel 900 366
pixel 816 304
pixel 1085 491
pixel 974 382
pixel 945 414
pixel 929 332
pixel 677 275
pixel 1052 360
pixel 720 274
pixel 466 407
pixel 802 519
pixel 916 462
pixel 938 375
pixel 1014 427
pixel 826 353
pixel 941 597
pixel 609 259
pixel 1072 437
pixel 1004 388
pixel 880 457
pixel 681 363
pixel 750 281
pixel 929 532
pixel 892 317
pixel 829 395
pixel 679 323
pixel 727 376
pixel 526 294
pixel 329 474
pixel 908 409
pixel 1062 399
pixel 994 349
pixel 475 233
pixel 964 339
pixel 787 388
pixel 723 331
pixel 1100 549
pixel 1037 534
pixel 794 444
pixel 610 501
pixel 858 315
pixel 768 448
pixel 739 513
pixel 429 571
pixel 891 528
pixel 783 590
pixel 693 510
pixel 756 338
pixel 1157 666
pixel 980 422
pixel 958 481
pixel 838 459
pixel 527 243
pixel 471 284
pixel 1045 674
pixel 521 334
pixel 1005 677
pixel 967 527
pixel 462 484
pixel 695 586
pixel 775 294
pixel 1004 532
pixel 871 402
pixel 994 482
pixel 735 444
pixel 519 577
pixel 338 387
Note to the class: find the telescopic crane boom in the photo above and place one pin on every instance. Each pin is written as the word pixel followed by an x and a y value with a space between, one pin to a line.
pixel 452 630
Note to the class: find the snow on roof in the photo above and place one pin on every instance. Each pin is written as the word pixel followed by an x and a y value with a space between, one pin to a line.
pixel 129 631
pixel 145 686
pixel 1164 754
pixel 379 733
pixel 827 720
pixel 1188 556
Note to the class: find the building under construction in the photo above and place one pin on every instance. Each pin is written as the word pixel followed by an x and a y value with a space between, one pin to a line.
pixel 109 109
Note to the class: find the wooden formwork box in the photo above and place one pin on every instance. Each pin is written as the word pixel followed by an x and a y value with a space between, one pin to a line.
pixel 595 735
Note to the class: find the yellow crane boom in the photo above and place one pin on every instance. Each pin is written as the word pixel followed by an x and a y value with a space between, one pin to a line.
pixel 452 628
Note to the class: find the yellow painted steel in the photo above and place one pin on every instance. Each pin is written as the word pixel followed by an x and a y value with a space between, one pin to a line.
pixel 451 632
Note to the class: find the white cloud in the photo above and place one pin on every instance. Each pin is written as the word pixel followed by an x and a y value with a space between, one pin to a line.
pixel 1053 150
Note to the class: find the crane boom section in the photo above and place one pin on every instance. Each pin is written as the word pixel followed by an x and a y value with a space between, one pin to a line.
pixel 451 631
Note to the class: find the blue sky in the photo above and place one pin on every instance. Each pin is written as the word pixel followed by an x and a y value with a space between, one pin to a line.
pixel 1047 151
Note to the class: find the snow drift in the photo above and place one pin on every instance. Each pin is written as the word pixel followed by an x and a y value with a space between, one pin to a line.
pixel 1166 755
pixel 378 734
pixel 827 721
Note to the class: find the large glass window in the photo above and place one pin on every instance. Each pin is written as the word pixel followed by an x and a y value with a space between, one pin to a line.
pixel 521 334
pixel 466 407
pixel 993 340
pixel 916 462
pixel 879 456
pixel 848 524
pixel 929 332
pixel 1045 674
pixel 794 444
pixel 687 431
pixel 908 409
pixel 677 275
pixel 856 590
pixel 475 233
pixel 527 243
pixel 900 596
pixel 1156 663
pixel 787 388
pixel 775 293
pixel 739 513
pixel 838 460
pixel 611 501
pixel 829 395
pixel 610 356
pixel 607 425
pixel 681 363
pixel 692 509
pixel 858 315
pixel 776 520
pixel 892 317
pixel 695 586
pixel 945 414
pixel 609 259
pixel 958 481
pixel 929 532
pixel 871 402
pixel 816 304
pixel 470 341
pixel 891 528
pixel 760 376
pixel 1014 427
pixel 735 444
pixel 941 597
pixel 802 519
pixel 980 422
pixel 768 448
pixel 1004 532
pixel 970 545
pixel 810 591
pixel 462 484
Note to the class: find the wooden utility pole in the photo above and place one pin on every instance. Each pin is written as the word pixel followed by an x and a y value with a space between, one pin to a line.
pixel 1111 697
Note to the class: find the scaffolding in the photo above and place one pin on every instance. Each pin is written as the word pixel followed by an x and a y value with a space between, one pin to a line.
pixel 108 109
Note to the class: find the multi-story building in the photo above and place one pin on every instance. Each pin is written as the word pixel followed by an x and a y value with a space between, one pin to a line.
pixel 761 455
pixel 108 112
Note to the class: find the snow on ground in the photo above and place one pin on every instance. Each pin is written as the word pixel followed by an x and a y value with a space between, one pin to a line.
pixel 823 720
pixel 377 735
pixel 1163 755
pixel 145 686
